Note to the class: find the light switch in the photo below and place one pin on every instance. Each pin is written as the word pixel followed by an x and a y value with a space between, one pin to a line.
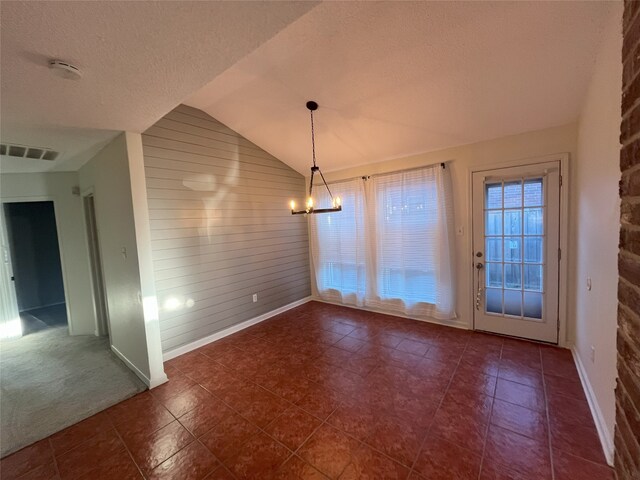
pixel 589 283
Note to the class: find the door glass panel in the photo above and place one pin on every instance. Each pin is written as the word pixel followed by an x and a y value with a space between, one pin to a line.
pixel 494 275
pixel 513 222
pixel 533 249
pixel 493 224
pixel 493 249
pixel 494 196
pixel 514 241
pixel 533 193
pixel 532 221
pixel 513 302
pixel 494 300
pixel 512 249
pixel 533 305
pixel 513 194
pixel 512 275
pixel 533 277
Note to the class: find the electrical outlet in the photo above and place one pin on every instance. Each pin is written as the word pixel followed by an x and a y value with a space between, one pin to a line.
pixel 255 297
pixel 593 354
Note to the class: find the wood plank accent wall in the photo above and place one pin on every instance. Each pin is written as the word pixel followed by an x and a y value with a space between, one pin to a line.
pixel 627 433
pixel 221 228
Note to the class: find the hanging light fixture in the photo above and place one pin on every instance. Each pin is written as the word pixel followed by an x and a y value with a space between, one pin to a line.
pixel 336 204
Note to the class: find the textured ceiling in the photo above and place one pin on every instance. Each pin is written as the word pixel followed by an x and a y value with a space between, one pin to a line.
pixel 140 60
pixel 398 78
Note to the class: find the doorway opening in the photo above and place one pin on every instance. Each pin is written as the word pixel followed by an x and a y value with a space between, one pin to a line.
pixel 36 269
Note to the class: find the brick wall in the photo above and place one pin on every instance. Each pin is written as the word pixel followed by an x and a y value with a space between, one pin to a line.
pixel 627 434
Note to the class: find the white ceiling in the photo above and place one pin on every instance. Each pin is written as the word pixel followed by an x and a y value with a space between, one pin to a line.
pixel 399 78
pixel 391 78
pixel 140 60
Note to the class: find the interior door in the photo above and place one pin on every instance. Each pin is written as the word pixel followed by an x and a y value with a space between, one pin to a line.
pixel 516 233
pixel 10 323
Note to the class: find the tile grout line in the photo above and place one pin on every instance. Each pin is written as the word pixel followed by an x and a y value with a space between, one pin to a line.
pixel 493 402
pixel 412 468
pixel 129 452
pixel 546 410
pixel 55 460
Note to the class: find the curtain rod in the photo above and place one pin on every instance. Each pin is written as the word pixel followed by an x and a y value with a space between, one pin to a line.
pixel 366 177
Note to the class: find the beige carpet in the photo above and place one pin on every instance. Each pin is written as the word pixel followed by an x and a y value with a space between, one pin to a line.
pixel 50 380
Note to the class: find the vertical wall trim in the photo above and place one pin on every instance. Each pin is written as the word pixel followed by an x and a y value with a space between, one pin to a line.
pixel 145 262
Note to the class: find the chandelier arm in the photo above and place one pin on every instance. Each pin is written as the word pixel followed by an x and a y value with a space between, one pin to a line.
pixel 325 184
pixel 311 182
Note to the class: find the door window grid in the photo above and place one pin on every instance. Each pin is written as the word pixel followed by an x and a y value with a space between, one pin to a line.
pixel 514 245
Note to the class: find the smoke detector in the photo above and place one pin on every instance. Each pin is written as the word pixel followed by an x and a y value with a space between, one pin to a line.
pixel 65 69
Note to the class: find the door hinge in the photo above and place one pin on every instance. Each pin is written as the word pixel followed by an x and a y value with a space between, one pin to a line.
pixel 559 254
pixel 560 180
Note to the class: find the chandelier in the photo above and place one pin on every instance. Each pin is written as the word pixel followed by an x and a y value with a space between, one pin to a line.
pixel 309 208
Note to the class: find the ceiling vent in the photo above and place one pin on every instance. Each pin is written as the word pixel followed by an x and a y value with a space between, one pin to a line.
pixel 22 151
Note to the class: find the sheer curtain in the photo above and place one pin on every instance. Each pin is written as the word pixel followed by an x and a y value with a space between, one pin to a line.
pixel 338 245
pixel 392 245
pixel 410 237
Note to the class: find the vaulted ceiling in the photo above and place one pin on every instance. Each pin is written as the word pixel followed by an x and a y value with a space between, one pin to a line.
pixel 400 78
pixel 391 78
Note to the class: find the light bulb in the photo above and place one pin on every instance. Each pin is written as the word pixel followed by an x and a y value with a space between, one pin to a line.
pixel 338 201
pixel 310 202
pixel 293 205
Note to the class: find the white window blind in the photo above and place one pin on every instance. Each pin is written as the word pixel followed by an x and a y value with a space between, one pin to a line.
pixel 411 237
pixel 339 263
pixel 392 245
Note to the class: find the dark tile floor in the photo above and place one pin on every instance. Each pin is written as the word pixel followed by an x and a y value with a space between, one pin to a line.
pixel 330 392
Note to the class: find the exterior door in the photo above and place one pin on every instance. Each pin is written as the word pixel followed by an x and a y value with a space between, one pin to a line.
pixel 516 232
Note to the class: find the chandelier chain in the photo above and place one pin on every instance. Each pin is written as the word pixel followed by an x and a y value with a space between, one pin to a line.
pixel 313 141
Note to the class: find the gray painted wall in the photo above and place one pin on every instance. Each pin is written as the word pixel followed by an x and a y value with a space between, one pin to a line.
pixel 35 254
pixel 221 228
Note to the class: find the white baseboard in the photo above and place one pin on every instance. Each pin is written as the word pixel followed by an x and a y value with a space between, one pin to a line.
pixel 606 438
pixel 176 352
pixel 447 323
pixel 135 369
pixel 156 382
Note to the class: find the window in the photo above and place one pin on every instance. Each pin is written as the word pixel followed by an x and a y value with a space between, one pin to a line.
pixel 340 263
pixel 405 253
pixel 392 245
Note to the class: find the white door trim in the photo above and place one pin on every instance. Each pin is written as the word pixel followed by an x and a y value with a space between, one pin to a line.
pixel 563 287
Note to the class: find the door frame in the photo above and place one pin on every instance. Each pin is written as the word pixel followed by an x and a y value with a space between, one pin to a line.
pixel 563 268
pixel 96 269
pixel 63 265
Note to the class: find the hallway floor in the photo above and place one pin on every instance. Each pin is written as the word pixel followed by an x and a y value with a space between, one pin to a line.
pixel 38 319
pixel 330 392
pixel 50 380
